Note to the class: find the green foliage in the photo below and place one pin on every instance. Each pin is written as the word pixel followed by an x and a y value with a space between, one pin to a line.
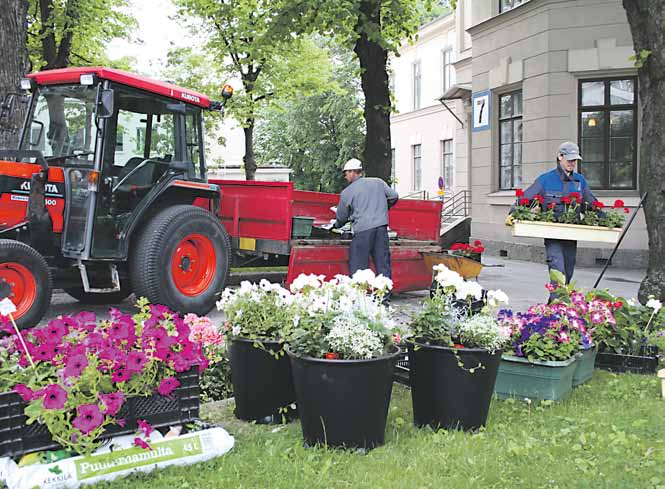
pixel 216 380
pixel 315 133
pixel 640 58
pixel 76 32
pixel 608 434
pixel 436 320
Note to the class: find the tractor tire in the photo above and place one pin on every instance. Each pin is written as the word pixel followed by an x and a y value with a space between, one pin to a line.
pixel 96 299
pixel 26 280
pixel 181 259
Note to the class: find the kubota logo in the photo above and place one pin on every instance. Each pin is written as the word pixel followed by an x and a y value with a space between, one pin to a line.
pixel 49 187
pixel 191 98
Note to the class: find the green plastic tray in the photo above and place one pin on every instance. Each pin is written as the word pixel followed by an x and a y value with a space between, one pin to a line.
pixel 538 380
pixel 302 227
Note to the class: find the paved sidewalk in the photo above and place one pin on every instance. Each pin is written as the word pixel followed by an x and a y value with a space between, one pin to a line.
pixel 524 282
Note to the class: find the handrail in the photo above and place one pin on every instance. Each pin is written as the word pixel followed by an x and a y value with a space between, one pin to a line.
pixel 458 205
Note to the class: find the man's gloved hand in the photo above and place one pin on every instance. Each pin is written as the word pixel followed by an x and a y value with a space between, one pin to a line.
pixel 509 220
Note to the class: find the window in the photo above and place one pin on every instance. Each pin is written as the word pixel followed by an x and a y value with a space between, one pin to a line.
pixel 608 133
pixel 417 173
pixel 446 69
pixel 510 141
pixel 392 167
pixel 120 140
pixel 447 164
pixel 416 85
pixel 505 5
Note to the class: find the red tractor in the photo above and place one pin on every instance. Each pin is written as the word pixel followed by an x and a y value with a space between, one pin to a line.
pixel 99 198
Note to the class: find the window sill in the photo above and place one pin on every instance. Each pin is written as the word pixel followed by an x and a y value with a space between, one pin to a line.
pixel 502 197
pixel 631 198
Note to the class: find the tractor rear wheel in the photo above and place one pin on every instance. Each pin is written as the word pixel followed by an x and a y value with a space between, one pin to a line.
pixel 26 280
pixel 181 259
pixel 96 299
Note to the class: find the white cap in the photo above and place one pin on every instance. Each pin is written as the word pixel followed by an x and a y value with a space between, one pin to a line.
pixel 353 164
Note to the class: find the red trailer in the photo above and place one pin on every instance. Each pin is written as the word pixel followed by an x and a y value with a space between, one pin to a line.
pixel 259 219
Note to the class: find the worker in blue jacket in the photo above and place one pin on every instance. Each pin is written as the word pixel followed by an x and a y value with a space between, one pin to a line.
pixel 552 186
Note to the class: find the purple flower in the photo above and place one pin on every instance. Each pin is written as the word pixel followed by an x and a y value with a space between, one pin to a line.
pixel 24 391
pixel 75 365
pixel 44 353
pixel 136 360
pixel 121 422
pixel 85 321
pixel 55 396
pixel 168 385
pixel 140 443
pixel 160 338
pixel 145 427
pixel 120 374
pixel 55 330
pixel 112 402
pixel 89 418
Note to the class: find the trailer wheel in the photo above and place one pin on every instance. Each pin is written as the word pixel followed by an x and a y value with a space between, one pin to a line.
pixel 95 299
pixel 26 280
pixel 181 259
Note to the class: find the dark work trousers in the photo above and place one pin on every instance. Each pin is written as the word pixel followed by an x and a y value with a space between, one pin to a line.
pixel 561 256
pixel 372 242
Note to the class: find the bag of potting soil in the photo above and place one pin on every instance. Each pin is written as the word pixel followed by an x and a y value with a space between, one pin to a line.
pixel 76 471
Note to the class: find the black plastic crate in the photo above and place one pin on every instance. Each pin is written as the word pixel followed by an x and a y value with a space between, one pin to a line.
pixel 182 406
pixel 644 363
pixel 401 372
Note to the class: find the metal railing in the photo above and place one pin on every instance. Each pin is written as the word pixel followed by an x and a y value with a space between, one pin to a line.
pixel 459 205
pixel 419 195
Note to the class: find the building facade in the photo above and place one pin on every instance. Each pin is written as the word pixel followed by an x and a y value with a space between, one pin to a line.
pixel 537 73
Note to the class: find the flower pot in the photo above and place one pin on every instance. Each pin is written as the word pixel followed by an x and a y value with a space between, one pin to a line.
pixel 180 408
pixel 644 363
pixel 262 384
pixel 447 396
pixel 467 267
pixel 343 403
pixel 520 378
pixel 574 232
pixel 584 366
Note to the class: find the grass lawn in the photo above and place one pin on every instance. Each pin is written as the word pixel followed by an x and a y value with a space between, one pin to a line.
pixel 609 434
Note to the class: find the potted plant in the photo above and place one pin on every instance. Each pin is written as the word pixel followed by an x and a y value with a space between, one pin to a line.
pixel 575 222
pixel 77 381
pixel 626 332
pixel 467 250
pixel 541 361
pixel 258 319
pixel 343 355
pixel 454 356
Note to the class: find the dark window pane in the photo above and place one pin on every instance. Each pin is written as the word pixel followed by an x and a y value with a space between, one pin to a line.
pixel 506 132
pixel 506 106
pixel 593 172
pixel 506 180
pixel 592 149
pixel 517 103
pixel 506 154
pixel 593 124
pixel 621 149
pixel 621 123
pixel 517 177
pixel 621 175
pixel 517 131
pixel 593 93
pixel 622 92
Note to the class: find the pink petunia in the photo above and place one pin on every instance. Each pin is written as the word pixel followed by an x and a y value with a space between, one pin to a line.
pixel 145 427
pixel 56 329
pixel 89 418
pixel 54 396
pixel 112 402
pixel 136 361
pixel 75 365
pixel 44 353
pixel 168 385
pixel 142 444
pixel 120 374
pixel 121 422
pixel 24 391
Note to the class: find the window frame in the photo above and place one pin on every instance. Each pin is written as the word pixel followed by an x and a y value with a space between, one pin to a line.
pixel 512 118
pixel 502 9
pixel 416 84
pixel 607 108
pixel 448 183
pixel 446 74
pixel 414 173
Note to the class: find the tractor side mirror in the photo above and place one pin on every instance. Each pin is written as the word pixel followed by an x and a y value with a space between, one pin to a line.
pixel 105 103
pixel 36 133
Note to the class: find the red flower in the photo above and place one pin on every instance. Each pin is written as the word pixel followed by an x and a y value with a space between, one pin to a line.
pixel 598 204
pixel 575 195
pixel 618 305
pixel 551 205
pixel 479 249
pixel 331 356
pixel 540 199
pixel 524 201
pixel 458 346
pixel 626 210
pixel 457 246
pixel 519 193
pixel 565 200
pixel 618 204
pixel 477 243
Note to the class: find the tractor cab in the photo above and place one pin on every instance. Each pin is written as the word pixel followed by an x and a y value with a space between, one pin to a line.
pixel 102 154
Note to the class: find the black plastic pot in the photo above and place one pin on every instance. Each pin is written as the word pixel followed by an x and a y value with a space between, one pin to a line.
pixel 262 384
pixel 343 403
pixel 447 396
pixel 644 363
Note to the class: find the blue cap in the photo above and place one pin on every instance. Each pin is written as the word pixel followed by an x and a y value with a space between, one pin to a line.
pixel 570 151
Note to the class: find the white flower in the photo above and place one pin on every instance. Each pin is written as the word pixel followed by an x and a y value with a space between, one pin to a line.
pixel 366 276
pixel 381 283
pixel 302 281
pixel 654 304
pixel 448 278
pixel 265 285
pixel 469 289
pixel 236 330
pixel 497 297
pixel 246 286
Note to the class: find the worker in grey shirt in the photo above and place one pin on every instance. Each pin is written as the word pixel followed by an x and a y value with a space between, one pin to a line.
pixel 365 202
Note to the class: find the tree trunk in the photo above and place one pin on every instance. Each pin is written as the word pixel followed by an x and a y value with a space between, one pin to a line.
pixel 374 77
pixel 249 159
pixel 647 24
pixel 14 65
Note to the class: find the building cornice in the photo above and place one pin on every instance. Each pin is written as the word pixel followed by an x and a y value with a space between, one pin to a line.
pixel 414 114
pixel 512 14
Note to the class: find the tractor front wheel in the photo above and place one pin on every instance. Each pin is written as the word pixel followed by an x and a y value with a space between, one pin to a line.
pixel 181 259
pixel 25 280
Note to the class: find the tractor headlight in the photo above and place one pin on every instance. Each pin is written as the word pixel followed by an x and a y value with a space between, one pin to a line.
pixel 26 84
pixel 88 79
